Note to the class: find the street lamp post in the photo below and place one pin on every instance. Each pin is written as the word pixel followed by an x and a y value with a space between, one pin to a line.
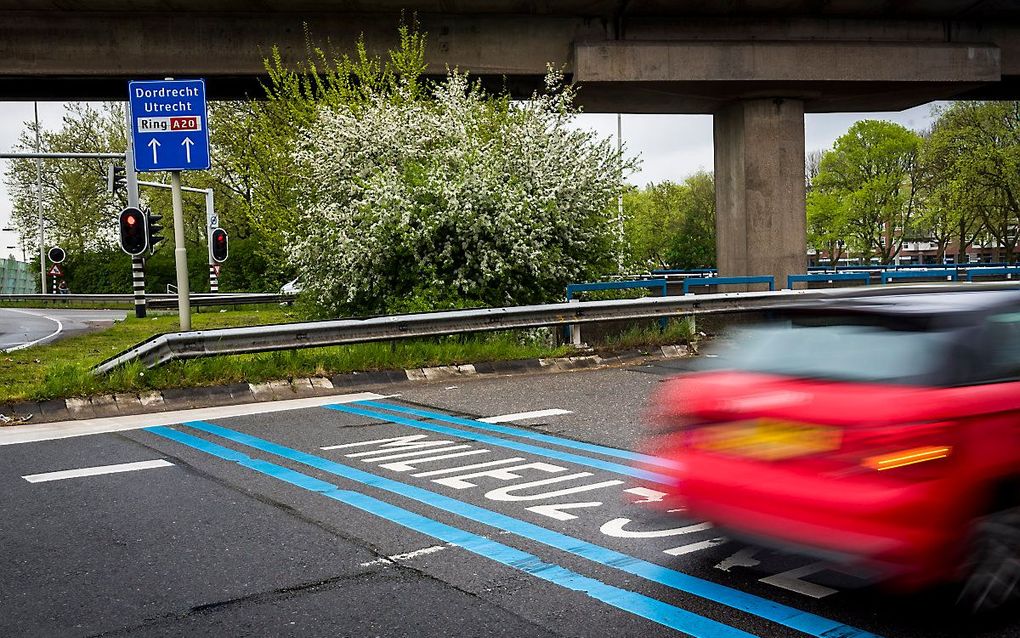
pixel 38 188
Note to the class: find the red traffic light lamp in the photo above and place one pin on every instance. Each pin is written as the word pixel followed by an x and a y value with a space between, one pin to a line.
pixel 219 245
pixel 134 235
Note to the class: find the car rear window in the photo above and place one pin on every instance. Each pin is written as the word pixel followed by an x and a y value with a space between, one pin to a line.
pixel 854 349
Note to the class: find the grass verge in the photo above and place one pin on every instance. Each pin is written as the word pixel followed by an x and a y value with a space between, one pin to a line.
pixel 62 369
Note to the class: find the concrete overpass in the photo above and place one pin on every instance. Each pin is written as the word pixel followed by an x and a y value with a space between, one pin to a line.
pixel 757 65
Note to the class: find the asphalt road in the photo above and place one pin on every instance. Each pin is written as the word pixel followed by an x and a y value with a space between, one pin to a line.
pixel 21 328
pixel 406 516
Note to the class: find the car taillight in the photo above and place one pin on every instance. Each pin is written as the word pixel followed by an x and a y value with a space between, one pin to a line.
pixel 915 451
pixel 903 458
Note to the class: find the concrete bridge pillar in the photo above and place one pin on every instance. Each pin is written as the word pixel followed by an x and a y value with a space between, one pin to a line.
pixel 759 188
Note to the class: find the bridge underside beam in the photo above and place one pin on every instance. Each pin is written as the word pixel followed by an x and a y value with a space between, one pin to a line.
pixel 642 65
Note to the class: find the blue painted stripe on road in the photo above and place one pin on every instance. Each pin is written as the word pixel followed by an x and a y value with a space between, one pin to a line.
pixel 609 466
pixel 632 602
pixel 526 434
pixel 734 598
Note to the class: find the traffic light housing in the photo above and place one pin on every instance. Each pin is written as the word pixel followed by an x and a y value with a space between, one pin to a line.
pixel 116 178
pixel 152 228
pixel 134 236
pixel 56 255
pixel 219 245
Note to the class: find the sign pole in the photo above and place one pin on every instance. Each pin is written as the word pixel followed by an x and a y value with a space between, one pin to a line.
pixel 137 261
pixel 211 223
pixel 38 189
pixel 170 130
pixel 180 253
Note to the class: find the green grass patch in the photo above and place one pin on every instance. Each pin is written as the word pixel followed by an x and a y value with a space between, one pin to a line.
pixel 63 369
pixel 679 330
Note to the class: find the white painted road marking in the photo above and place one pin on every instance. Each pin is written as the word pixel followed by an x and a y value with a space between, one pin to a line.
pixel 791 580
pixel 96 471
pixel 520 416
pixel 389 560
pixel 16 434
pixel 694 547
pixel 743 558
pixel 556 511
pixel 649 495
pixel 473 466
pixel 615 528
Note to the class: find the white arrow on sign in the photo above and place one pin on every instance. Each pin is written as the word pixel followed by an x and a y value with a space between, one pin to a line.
pixel 187 149
pixel 153 144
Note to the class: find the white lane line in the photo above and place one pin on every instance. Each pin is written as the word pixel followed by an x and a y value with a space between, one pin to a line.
pixel 389 560
pixel 96 471
pixel 520 416
pixel 15 434
pixel 22 346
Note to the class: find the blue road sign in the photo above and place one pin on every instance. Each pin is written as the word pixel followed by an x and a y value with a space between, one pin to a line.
pixel 169 125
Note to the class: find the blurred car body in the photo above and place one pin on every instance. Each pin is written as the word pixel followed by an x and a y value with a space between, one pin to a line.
pixel 882 433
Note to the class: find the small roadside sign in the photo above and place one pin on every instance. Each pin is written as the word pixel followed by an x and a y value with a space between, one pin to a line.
pixel 55 271
pixel 216 269
pixel 169 125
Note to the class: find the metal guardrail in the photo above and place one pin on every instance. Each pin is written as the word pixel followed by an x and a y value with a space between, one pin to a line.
pixel 574 334
pixel 918 274
pixel 164 348
pixel 993 272
pixel 718 281
pixel 572 289
pixel 157 300
pixel 830 277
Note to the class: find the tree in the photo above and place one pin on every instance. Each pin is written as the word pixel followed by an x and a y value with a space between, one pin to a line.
pixel 871 172
pixel 944 212
pixel 979 143
pixel 672 225
pixel 827 225
pixel 417 199
pixel 78 213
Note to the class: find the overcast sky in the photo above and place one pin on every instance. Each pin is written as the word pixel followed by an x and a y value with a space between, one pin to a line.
pixel 669 146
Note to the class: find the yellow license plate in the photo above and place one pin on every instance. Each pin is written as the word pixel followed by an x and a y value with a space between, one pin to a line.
pixel 768 439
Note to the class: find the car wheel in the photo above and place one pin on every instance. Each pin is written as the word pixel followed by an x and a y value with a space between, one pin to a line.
pixel 992 566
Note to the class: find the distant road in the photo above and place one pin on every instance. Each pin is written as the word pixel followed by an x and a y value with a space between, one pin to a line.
pixel 23 328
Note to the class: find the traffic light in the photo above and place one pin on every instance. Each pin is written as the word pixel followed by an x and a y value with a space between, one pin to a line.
pixel 152 228
pixel 56 255
pixel 219 245
pixel 116 178
pixel 134 238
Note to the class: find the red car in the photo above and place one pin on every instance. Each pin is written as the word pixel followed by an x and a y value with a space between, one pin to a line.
pixel 880 432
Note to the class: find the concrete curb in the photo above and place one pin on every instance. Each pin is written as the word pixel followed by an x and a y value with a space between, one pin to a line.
pixel 125 403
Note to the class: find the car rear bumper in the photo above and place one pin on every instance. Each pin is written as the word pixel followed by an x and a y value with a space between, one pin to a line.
pixel 899 531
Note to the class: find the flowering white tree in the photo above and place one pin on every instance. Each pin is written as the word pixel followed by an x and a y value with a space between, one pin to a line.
pixel 452 198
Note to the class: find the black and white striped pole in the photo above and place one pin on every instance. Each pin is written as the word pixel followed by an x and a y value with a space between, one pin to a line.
pixel 212 222
pixel 138 284
pixel 137 261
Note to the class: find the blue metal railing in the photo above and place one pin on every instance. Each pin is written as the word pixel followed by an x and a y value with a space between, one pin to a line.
pixel 691 271
pixel 989 272
pixel 722 281
pixel 572 289
pixel 830 277
pixel 918 274
pixel 615 285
